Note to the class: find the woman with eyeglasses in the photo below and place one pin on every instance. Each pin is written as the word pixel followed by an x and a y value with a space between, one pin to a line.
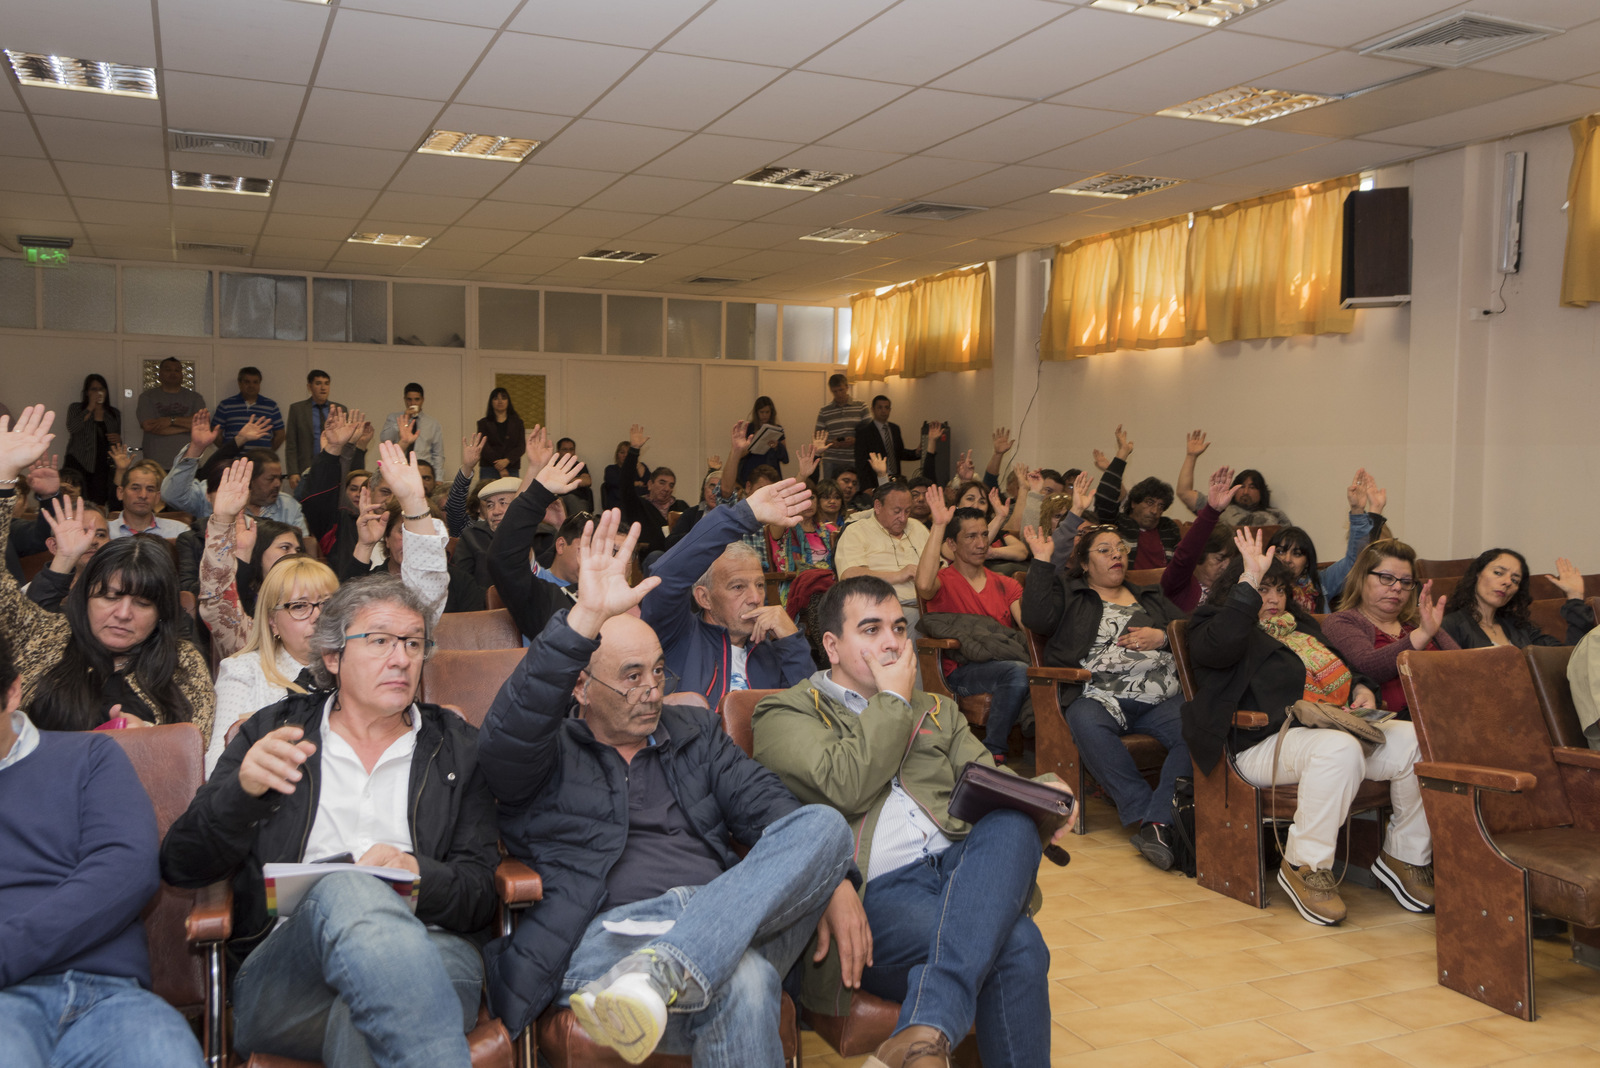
pixel 1382 614
pixel 276 659
pixel 1490 604
pixel 1097 621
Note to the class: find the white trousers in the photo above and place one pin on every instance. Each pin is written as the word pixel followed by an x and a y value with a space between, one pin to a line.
pixel 1329 766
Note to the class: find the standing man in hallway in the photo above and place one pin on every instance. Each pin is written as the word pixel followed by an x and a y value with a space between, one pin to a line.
pixel 235 411
pixel 424 429
pixel 306 419
pixel 839 419
pixel 165 413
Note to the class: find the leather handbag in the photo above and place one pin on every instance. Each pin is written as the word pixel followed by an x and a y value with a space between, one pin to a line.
pixel 1328 716
pixel 980 790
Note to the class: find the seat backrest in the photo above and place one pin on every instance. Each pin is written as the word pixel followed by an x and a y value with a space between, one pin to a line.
pixel 1178 645
pixel 170 762
pixel 1546 615
pixel 469 679
pixel 1036 644
pixel 491 599
pixel 1149 576
pixel 492 629
pixel 737 710
pixel 1478 706
pixel 34 563
pixel 1548 663
pixel 1544 588
pixel 1437 569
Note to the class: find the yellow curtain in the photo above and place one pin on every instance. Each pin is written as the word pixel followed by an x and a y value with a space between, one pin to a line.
pixel 1580 274
pixel 940 323
pixel 1117 291
pixel 1270 267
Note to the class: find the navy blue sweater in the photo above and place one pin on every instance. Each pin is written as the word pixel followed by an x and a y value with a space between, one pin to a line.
pixel 78 861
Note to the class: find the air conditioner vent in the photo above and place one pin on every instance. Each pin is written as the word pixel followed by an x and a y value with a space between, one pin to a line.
pixel 619 256
pixel 713 280
pixel 206 246
pixel 1459 40
pixel 922 209
pixel 213 144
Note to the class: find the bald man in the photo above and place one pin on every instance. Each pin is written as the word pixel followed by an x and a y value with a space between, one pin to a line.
pixel 631 805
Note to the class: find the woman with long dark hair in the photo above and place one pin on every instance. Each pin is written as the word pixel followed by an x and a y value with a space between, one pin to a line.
pixel 1312 591
pixel 1489 605
pixel 114 647
pixel 504 441
pixel 763 413
pixel 94 425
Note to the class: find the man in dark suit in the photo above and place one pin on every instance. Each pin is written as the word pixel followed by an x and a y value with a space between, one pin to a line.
pixel 878 435
pixel 305 426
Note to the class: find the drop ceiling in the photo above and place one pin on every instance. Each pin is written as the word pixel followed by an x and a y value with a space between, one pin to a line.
pixel 647 110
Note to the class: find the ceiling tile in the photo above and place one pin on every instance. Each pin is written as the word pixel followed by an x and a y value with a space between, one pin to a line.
pixel 682 92
pixel 502 122
pixel 416 208
pixel 121 212
pixel 490 13
pixel 446 176
pixel 16 135
pixel 1227 152
pixel 236 166
pixel 8 97
pixel 472 239
pixel 304 198
pixel 621 22
pixel 739 202
pixel 920 118
pixel 916 41
pixel 1338 25
pixel 287 263
pixel 1204 65
pixel 1571 55
pixel 763 32
pixel 1562 14
pixel 339 165
pixel 1439 93
pixel 299 247
pixel 432 258
pixel 524 265
pixel 713 157
pixel 114 31
pixel 1540 107
pixel 273 42
pixel 1126 144
pixel 504 215
pixel 545 74
pixel 282 224
pixel 1318 164
pixel 1027 132
pixel 369 53
pixel 20 175
pixel 366 120
pixel 842 160
pixel 1057 231
pixel 206 217
pixel 1005 185
pixel 678 231
pixel 805 106
pixel 116 183
pixel 129 110
pixel 535 184
pixel 597 224
pixel 638 192
pixel 99 142
pixel 831 208
pixel 606 146
pixel 208 103
pixel 916 176
pixel 757 235
pixel 1337 72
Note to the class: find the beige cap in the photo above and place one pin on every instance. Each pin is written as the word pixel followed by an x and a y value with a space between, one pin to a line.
pixel 499 485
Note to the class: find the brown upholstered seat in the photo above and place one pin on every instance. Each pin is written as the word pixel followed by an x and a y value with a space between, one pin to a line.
pixel 1149 576
pixel 1548 664
pixel 1546 615
pixel 975 707
pixel 488 1044
pixel 492 629
pixel 1515 821
pixel 1442 569
pixel 468 679
pixel 491 599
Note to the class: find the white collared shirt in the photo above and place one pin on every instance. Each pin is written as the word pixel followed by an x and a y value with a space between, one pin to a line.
pixel 165 528
pixel 905 832
pixel 357 810
pixel 26 742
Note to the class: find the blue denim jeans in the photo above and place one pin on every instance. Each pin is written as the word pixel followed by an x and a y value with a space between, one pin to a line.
pixel 1108 760
pixel 952 943
pixel 354 979
pixel 737 936
pixel 84 1020
pixel 1007 681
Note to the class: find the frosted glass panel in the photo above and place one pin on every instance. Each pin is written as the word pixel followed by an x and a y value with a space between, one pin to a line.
pixel 350 309
pixel 766 332
pixel 807 334
pixel 752 331
pixel 572 322
pixel 430 315
pixel 166 300
pixel 694 329
pixel 81 297
pixel 842 352
pixel 16 294
pixel 268 306
pixel 508 319
pixel 633 326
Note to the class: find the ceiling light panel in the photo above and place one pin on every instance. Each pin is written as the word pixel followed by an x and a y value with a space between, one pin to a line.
pixel 402 240
pixel 1117 186
pixel 478 146
pixel 795 178
pixel 221 183
pixel 845 235
pixel 1244 105
pixel 611 255
pixel 82 75
pixel 1197 12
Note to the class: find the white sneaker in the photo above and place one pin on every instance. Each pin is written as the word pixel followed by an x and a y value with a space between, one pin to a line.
pixel 628 1013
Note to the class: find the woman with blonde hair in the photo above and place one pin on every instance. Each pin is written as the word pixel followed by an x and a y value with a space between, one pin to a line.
pixel 269 666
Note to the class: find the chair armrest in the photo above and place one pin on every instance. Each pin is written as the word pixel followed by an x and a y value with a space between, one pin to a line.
pixel 931 644
pixel 1477 776
pixel 1250 721
pixel 1578 758
pixel 516 883
pixel 211 916
pixel 1057 674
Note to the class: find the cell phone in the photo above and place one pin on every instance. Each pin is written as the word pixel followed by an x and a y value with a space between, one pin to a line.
pixel 115 723
pixel 337 858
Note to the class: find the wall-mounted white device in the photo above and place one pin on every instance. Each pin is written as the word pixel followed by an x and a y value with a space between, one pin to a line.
pixel 1511 182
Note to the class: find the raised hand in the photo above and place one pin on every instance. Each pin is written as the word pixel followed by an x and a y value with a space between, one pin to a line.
pixel 1039 543
pixel 202 434
pixel 255 428
pixel 1082 493
pixel 25 440
pixel 819 441
pixel 408 430
pixel 935 433
pixel 233 491
pixel 370 518
pixel 1002 440
pixel 997 501
pixel 1377 499
pixel 603 589
pixel 1256 561
pixel 73 536
pixel 364 435
pixel 44 477
pixel 939 513
pixel 713 462
pixel 780 504
pixel 1432 616
pixel 636 436
pixel 1355 494
pixel 121 459
pixel 1223 491
pixel 966 471
pixel 1124 443
pixel 1036 480
pixel 471 451
pixel 1196 443
pixel 1101 460
pixel 1568 578
pixel 560 475
pixel 808 460
pixel 880 466
pixel 402 475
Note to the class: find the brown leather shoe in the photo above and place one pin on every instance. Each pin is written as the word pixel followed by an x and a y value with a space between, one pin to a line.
pixel 915 1047
pixel 1411 884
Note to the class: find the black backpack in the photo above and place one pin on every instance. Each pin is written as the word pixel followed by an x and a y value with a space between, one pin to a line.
pixel 1183 855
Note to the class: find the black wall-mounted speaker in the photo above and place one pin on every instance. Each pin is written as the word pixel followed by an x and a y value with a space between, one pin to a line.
pixel 1377 249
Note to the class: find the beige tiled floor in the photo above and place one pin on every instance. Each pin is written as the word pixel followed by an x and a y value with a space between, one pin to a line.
pixel 1149 970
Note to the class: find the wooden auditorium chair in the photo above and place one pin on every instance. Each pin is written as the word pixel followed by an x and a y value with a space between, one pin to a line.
pixel 976 707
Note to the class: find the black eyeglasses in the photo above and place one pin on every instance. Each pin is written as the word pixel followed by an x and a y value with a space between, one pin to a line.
pixel 1386 579
pixel 301 610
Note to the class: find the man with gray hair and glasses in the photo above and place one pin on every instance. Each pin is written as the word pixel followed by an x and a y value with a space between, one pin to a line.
pixel 354 771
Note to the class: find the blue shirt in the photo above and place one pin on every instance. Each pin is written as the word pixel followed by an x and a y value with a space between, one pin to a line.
pixel 234 412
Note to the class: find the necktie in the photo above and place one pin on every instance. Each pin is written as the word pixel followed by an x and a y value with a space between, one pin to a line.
pixel 889 454
pixel 319 412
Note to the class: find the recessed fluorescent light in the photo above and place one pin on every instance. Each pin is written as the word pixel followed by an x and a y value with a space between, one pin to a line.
pixel 844 235
pixel 83 75
pixel 796 178
pixel 404 240
pixel 1245 106
pixel 478 146
pixel 1117 186
pixel 610 255
pixel 1198 12
pixel 221 183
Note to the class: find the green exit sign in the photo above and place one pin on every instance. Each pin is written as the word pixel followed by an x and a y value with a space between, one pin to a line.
pixel 48 257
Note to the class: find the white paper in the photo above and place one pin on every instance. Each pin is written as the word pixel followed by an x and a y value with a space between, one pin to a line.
pixel 289 883
pixel 637 927
pixel 766 439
